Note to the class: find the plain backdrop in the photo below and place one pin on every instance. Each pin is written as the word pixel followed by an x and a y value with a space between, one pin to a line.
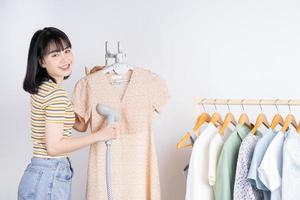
pixel 202 48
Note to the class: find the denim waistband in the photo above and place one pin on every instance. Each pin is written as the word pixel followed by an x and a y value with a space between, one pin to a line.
pixel 50 162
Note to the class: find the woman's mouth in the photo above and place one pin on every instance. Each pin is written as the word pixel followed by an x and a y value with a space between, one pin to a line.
pixel 65 67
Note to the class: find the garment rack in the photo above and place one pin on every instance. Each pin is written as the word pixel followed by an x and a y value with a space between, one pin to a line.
pixel 288 102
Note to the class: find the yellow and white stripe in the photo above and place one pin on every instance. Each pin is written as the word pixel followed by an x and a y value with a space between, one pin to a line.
pixel 51 105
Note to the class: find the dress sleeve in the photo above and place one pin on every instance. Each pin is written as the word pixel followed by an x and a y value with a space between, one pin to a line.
pixel 55 106
pixel 159 92
pixel 81 99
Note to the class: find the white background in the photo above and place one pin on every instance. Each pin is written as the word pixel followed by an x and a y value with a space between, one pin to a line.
pixel 202 48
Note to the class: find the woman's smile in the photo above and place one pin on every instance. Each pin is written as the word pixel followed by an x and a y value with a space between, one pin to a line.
pixel 65 67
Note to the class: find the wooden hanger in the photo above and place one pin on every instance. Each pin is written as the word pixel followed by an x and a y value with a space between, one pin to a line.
pixel 244 119
pixel 216 118
pixel 203 118
pixel 289 120
pixel 298 128
pixel 277 119
pixel 261 119
pixel 184 141
pixel 229 118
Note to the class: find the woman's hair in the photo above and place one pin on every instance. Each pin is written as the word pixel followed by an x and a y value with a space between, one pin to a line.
pixel 40 47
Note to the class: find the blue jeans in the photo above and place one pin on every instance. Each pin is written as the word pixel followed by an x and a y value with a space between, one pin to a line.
pixel 46 179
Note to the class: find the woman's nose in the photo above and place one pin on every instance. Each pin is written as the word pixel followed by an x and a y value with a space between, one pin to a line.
pixel 65 57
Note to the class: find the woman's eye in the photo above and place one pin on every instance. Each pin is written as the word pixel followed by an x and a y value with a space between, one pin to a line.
pixel 67 50
pixel 54 55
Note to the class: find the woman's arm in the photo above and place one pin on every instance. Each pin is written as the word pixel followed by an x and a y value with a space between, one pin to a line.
pixel 57 145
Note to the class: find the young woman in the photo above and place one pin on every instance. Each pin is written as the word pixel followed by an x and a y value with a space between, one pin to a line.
pixel 49 174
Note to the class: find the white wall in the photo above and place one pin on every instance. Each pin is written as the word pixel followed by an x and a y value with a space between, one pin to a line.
pixel 202 48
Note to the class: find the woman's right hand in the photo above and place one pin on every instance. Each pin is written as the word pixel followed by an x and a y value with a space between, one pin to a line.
pixel 109 132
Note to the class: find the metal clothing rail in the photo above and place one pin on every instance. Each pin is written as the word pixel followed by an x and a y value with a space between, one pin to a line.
pixel 289 102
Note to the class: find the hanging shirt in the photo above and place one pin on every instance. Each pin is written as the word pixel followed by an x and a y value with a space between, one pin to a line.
pixel 227 163
pixel 133 157
pixel 243 190
pixel 291 166
pixel 197 186
pixel 258 155
pixel 270 169
pixel 215 147
pixel 193 137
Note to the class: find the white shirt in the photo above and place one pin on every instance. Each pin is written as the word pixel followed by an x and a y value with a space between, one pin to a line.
pixel 270 169
pixel 215 147
pixel 290 166
pixel 197 186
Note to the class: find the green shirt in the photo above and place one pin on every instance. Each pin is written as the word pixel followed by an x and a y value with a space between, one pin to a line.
pixel 227 163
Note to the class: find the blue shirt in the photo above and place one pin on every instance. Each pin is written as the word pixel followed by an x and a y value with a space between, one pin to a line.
pixel 258 155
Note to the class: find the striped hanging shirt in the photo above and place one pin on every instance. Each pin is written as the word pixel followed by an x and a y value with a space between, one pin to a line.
pixel 52 105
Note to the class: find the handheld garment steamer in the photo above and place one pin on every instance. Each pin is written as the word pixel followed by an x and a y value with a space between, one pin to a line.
pixel 111 117
pixel 118 67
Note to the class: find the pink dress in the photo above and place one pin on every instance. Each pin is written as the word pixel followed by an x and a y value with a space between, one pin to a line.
pixel 134 163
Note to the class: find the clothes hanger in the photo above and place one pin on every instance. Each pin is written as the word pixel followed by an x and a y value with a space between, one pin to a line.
pixel 277 119
pixel 244 119
pixel 289 120
pixel 229 118
pixel 216 118
pixel 261 119
pixel 298 128
pixel 185 141
pixel 203 118
pixel 119 66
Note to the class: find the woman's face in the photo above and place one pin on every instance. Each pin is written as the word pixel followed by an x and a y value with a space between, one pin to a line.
pixel 58 63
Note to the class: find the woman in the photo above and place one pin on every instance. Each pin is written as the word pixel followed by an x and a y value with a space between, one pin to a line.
pixel 49 174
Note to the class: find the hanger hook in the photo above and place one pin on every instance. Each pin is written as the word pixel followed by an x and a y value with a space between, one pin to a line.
pixel 260 105
pixel 106 53
pixel 227 104
pixel 215 104
pixel 242 103
pixel 119 47
pixel 289 105
pixel 203 105
pixel 276 105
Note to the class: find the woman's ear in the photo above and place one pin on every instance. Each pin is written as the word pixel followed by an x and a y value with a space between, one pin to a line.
pixel 41 62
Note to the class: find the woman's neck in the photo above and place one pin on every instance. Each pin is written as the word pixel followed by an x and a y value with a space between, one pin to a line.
pixel 59 80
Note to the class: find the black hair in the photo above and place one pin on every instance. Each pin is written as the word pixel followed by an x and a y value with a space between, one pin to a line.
pixel 40 47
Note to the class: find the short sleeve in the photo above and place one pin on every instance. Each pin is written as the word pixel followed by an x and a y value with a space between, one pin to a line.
pixel 81 99
pixel 55 106
pixel 160 94
pixel 269 170
pixel 265 169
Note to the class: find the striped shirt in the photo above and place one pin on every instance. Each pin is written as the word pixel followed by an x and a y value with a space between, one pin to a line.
pixel 52 105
